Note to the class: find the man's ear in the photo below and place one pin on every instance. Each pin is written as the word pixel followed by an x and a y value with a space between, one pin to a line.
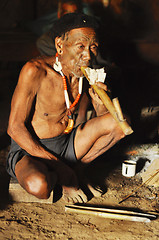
pixel 59 45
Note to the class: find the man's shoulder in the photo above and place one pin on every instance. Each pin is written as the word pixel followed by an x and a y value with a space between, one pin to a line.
pixel 31 73
pixel 35 68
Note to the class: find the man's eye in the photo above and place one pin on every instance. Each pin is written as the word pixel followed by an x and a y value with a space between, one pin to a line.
pixel 94 48
pixel 81 46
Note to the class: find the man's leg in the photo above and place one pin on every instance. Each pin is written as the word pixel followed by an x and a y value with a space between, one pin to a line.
pixel 96 136
pixel 92 139
pixel 33 175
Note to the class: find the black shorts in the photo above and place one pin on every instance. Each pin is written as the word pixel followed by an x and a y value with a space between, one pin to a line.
pixel 62 146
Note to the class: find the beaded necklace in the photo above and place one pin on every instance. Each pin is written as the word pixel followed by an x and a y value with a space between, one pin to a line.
pixel 58 67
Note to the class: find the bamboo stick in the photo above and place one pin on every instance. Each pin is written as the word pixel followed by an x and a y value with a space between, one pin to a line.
pixel 118 109
pixel 148 180
pixel 109 210
pixel 109 105
pixel 108 215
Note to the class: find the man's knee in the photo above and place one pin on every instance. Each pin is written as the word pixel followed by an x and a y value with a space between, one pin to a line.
pixel 113 127
pixel 38 185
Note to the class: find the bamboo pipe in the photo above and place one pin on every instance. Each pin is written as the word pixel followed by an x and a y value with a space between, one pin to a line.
pixel 118 109
pixel 109 105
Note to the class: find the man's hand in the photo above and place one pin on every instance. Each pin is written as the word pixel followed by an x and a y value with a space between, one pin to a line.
pixel 94 95
pixel 96 101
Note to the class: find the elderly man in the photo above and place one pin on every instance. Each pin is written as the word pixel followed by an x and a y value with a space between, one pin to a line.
pixel 44 148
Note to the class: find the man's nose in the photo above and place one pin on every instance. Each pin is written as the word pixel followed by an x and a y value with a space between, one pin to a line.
pixel 87 55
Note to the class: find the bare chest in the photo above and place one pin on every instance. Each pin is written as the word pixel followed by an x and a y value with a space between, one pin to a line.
pixel 51 99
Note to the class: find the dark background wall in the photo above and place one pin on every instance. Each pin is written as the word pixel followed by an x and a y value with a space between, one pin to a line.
pixel 130 41
pixel 13 12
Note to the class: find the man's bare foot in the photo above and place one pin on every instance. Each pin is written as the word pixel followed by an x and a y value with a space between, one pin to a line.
pixel 73 195
pixel 89 189
pixel 96 191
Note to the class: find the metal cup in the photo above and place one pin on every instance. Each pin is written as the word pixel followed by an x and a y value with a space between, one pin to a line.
pixel 129 168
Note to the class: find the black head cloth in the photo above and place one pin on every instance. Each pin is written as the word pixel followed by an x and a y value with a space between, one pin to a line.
pixel 72 21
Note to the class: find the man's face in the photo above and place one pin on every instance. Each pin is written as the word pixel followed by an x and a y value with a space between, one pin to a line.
pixel 78 49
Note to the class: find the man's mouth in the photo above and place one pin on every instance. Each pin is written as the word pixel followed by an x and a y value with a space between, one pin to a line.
pixel 83 65
pixel 78 68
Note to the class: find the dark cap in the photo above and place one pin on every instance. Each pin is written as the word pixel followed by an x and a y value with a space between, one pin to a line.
pixel 72 21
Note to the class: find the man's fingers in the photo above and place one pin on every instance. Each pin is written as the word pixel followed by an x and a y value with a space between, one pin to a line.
pixel 94 96
pixel 102 85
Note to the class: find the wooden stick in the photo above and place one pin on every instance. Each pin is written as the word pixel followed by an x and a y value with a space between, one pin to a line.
pixel 108 215
pixel 109 105
pixel 148 180
pixel 120 211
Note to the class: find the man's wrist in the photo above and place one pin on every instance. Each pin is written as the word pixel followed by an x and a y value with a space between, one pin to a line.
pixel 51 156
pixel 101 110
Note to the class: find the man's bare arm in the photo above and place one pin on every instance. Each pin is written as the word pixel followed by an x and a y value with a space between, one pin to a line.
pixel 22 102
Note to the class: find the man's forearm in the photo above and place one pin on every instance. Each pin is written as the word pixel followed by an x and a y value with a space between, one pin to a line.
pixel 26 141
